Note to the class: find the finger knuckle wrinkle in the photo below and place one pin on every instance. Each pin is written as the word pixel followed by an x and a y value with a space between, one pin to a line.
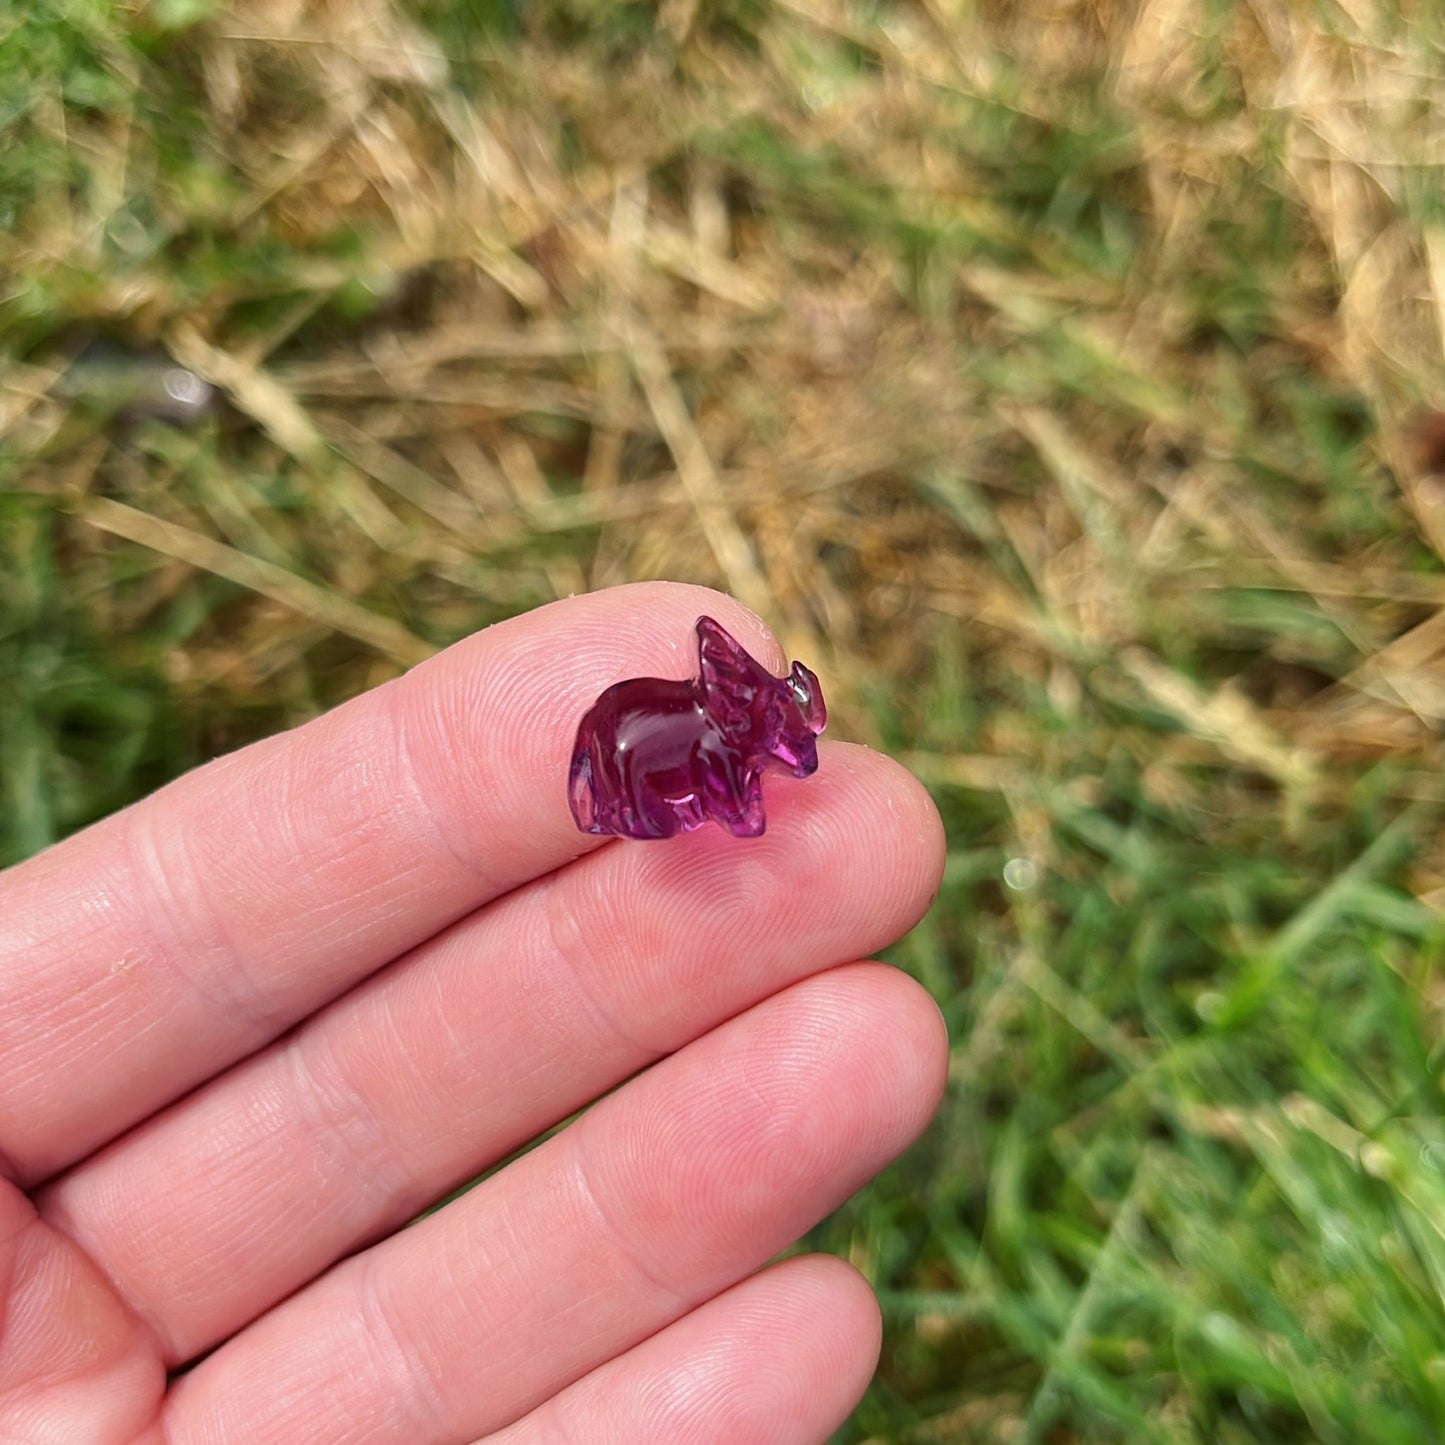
pixel 627 1246
pixel 169 904
pixel 353 1141
pixel 572 928
pixel 398 1365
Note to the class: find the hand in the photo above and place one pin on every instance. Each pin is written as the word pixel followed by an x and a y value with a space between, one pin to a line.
pixel 255 1024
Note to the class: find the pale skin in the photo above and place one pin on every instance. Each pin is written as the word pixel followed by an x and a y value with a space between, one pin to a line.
pixel 252 1026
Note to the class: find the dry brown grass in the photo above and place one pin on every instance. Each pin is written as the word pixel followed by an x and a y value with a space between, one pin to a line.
pixel 594 324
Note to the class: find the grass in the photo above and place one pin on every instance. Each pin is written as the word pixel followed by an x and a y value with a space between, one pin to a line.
pixel 1052 372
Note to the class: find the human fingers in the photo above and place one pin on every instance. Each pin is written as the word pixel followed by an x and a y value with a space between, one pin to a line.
pixel 483 1037
pixel 668 1192
pixel 75 1364
pixel 147 953
pixel 780 1359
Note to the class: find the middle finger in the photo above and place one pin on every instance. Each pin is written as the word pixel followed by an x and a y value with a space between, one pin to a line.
pixel 477 1040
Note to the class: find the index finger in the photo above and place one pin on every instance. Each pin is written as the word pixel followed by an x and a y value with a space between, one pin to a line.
pixel 157 947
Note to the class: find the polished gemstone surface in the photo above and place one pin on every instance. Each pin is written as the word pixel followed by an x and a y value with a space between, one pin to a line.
pixel 655 757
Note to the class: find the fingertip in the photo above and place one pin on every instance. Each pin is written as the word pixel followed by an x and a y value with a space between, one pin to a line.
pixel 828 1314
pixel 834 1295
pixel 916 804
pixel 655 620
pixel 905 838
pixel 911 1049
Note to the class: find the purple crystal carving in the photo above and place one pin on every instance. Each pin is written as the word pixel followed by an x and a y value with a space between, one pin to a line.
pixel 656 757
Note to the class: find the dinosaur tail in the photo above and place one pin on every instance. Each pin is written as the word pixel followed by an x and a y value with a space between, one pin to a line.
pixel 580 793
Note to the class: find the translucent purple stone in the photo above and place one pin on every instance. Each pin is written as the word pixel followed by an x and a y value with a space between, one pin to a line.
pixel 656 757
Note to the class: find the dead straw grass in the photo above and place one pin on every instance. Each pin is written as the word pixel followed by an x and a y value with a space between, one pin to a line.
pixel 575 278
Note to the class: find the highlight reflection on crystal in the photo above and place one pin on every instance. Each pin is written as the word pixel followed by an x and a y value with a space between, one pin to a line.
pixel 656 757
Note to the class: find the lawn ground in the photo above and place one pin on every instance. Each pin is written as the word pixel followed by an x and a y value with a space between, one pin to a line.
pixel 1056 377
